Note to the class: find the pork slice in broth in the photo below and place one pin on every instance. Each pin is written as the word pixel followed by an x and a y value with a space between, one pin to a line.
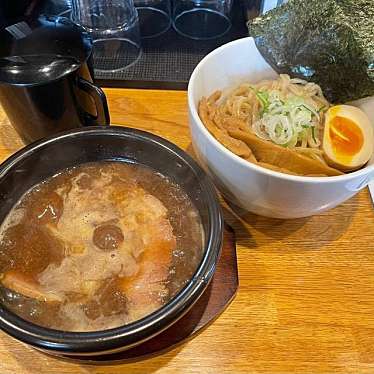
pixel 123 234
pixel 94 247
pixel 26 286
pixel 147 289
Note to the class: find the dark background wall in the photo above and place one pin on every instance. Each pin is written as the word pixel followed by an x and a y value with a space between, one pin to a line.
pixel 11 10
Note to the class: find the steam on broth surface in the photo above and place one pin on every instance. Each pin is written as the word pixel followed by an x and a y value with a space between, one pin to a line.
pixel 98 246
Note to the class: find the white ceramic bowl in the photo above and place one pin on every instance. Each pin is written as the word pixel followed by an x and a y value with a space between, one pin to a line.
pixel 249 186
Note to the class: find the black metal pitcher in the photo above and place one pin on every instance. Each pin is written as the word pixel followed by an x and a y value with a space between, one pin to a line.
pixel 46 78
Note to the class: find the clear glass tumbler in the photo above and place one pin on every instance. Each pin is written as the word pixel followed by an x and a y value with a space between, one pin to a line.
pixel 202 19
pixel 114 27
pixel 270 4
pixel 154 17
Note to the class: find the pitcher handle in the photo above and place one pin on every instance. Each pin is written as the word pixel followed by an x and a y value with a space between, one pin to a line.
pixel 97 94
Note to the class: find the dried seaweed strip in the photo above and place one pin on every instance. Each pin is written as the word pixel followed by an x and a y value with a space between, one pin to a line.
pixel 329 42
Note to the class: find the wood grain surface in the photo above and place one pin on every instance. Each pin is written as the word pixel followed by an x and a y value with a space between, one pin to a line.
pixel 306 297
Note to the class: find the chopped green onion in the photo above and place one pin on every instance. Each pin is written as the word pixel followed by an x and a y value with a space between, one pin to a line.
pixel 285 122
pixel 263 98
pixel 313 134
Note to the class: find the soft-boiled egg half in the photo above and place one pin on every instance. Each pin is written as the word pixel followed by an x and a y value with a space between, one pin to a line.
pixel 348 138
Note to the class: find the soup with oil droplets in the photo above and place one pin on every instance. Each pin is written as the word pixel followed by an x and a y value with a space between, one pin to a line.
pixel 98 246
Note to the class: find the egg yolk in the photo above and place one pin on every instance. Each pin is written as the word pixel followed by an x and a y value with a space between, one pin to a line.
pixel 346 137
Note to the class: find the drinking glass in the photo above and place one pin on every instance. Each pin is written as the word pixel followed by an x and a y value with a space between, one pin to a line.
pixel 202 19
pixel 114 28
pixel 270 4
pixel 154 17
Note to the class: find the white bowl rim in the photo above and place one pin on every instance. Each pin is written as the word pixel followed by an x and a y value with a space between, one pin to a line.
pixel 366 171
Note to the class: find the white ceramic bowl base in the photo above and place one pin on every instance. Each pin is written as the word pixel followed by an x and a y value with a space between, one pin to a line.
pixel 249 186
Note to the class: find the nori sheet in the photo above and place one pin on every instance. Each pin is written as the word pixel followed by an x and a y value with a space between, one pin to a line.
pixel 329 42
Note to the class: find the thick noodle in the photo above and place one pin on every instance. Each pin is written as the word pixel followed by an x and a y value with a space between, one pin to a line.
pixel 242 103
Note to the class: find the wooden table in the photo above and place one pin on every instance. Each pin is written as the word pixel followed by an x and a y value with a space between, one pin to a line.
pixel 306 297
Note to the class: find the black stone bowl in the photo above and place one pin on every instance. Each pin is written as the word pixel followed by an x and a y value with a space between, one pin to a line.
pixel 44 158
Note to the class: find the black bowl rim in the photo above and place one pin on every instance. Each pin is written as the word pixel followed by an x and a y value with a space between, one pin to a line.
pixel 108 341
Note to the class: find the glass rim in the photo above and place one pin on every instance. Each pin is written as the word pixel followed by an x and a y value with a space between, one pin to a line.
pixel 129 41
pixel 195 10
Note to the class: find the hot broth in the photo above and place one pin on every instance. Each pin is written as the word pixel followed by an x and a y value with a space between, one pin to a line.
pixel 98 246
